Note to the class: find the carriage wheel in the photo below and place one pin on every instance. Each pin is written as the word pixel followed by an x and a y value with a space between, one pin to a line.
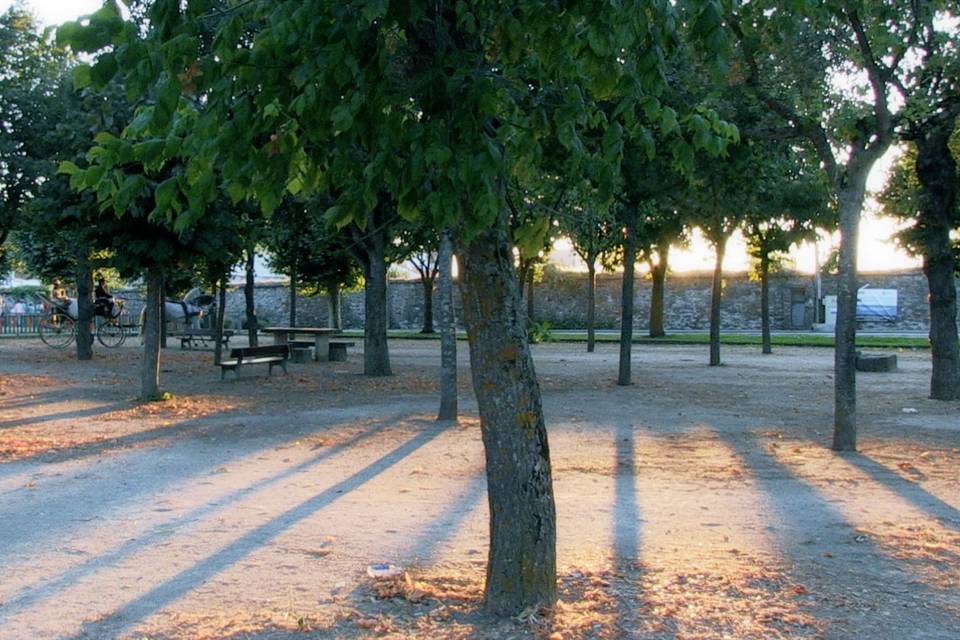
pixel 57 331
pixel 111 334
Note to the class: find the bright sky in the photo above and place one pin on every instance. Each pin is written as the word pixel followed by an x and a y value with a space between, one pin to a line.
pixel 53 12
pixel 876 253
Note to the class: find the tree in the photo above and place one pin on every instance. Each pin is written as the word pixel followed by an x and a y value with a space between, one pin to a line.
pixel 422 242
pixel 788 60
pixel 792 203
pixel 423 110
pixel 31 71
pixel 923 188
pixel 592 230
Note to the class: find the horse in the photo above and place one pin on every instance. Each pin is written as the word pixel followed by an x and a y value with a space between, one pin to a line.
pixel 190 310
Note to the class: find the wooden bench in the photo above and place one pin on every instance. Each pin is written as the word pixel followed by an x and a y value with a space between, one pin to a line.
pixel 338 350
pixel 192 338
pixel 271 354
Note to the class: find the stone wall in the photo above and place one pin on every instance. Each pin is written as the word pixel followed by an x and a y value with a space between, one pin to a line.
pixel 561 300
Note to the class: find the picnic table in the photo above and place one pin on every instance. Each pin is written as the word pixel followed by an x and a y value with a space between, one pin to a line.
pixel 320 335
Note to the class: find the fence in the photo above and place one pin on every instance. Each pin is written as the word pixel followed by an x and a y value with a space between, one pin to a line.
pixel 20 325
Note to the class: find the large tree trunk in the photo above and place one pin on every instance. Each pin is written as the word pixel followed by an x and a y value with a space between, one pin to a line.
pixel 293 295
pixel 658 273
pixel 716 295
pixel 376 356
pixel 427 282
pixel 248 298
pixel 626 301
pixel 591 304
pixel 937 173
pixel 150 371
pixel 218 320
pixel 85 309
pixel 521 567
pixel 448 331
pixel 850 201
pixel 766 347
pixel 333 307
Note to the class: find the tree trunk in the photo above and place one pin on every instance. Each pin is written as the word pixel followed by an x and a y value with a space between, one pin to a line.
pixel 293 295
pixel 427 282
pixel 626 302
pixel 765 303
pixel 850 201
pixel 85 315
pixel 218 320
pixel 376 356
pixel 716 294
pixel 333 306
pixel 658 273
pixel 591 304
pixel 448 332
pixel 248 296
pixel 530 301
pixel 150 371
pixel 937 173
pixel 521 567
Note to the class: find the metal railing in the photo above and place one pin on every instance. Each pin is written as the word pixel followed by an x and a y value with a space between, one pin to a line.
pixel 23 324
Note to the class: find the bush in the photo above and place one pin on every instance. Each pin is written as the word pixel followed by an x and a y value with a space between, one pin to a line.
pixel 538 332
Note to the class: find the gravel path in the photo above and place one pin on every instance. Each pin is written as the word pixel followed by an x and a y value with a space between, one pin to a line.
pixel 697 503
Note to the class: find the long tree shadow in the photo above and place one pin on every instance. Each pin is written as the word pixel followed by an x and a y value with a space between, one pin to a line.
pixel 425 547
pixel 913 493
pixel 136 610
pixel 73 506
pixel 65 415
pixel 857 573
pixel 27 595
pixel 626 511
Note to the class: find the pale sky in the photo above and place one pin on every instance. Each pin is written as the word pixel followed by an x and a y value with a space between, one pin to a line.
pixel 876 253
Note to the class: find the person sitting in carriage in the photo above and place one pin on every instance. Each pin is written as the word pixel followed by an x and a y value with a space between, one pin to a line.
pixel 103 301
pixel 58 295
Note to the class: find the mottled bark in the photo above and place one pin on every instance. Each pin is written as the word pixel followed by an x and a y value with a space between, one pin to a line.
pixel 150 368
pixel 937 173
pixel 850 201
pixel 521 567
pixel 376 356
pixel 530 301
pixel 293 295
pixel 591 305
pixel 85 308
pixel 248 295
pixel 766 346
pixel 658 275
pixel 218 320
pixel 716 296
pixel 427 283
pixel 333 307
pixel 626 302
pixel 448 332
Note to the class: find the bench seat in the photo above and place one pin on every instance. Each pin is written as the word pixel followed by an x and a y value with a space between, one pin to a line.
pixel 338 350
pixel 271 355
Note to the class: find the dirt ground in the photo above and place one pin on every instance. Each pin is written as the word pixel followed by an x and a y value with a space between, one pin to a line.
pixel 698 503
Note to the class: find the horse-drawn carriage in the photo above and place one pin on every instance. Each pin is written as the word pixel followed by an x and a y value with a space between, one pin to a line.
pixel 58 324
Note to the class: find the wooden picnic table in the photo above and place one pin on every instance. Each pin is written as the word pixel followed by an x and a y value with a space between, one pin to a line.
pixel 321 338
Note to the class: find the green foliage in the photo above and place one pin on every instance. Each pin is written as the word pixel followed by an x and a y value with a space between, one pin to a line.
pixel 538 332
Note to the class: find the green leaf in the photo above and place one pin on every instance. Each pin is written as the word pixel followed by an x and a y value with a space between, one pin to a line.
pixel 165 192
pixel 103 71
pixel 81 76
pixel 67 168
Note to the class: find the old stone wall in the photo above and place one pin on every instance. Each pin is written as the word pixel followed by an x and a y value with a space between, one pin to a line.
pixel 561 300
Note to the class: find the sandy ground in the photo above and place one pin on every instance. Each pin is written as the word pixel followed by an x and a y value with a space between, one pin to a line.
pixel 698 503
